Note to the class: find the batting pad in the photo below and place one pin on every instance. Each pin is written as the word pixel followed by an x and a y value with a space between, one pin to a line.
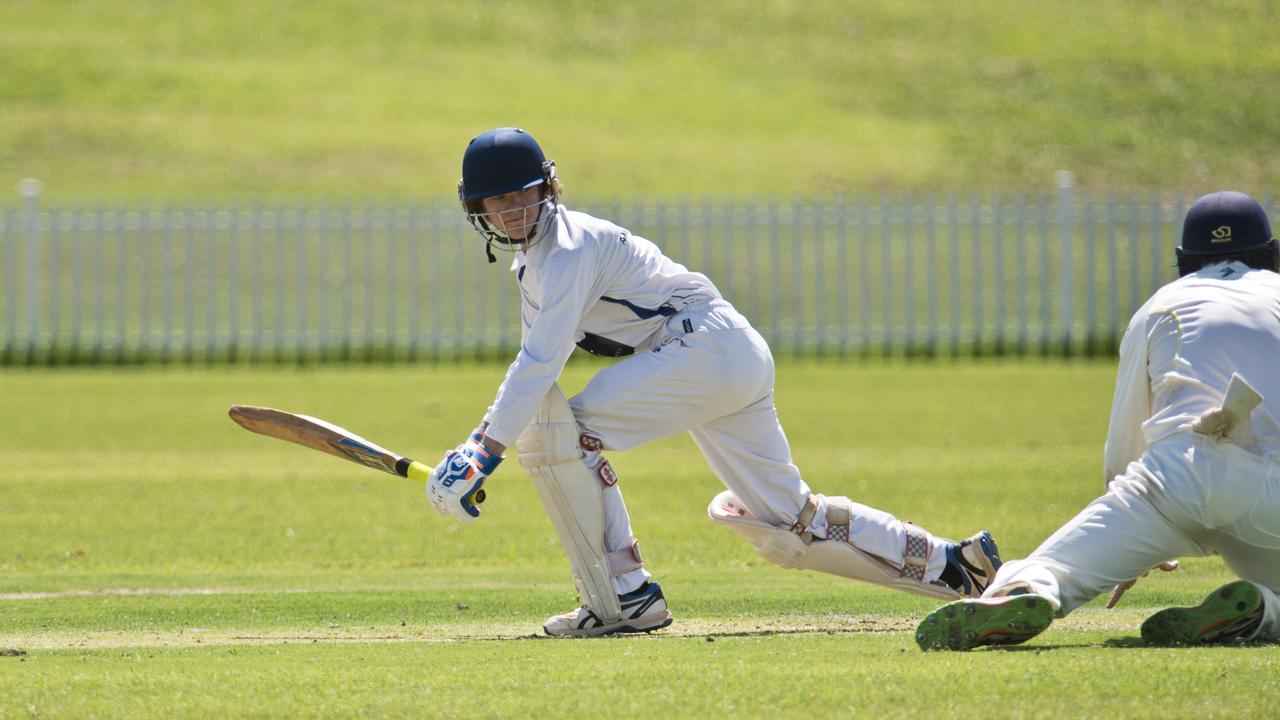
pixel 782 547
pixel 574 498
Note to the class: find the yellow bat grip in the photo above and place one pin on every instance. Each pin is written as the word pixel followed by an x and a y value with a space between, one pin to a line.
pixel 420 472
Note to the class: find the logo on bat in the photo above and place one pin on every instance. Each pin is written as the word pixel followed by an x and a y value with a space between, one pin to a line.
pixel 362 454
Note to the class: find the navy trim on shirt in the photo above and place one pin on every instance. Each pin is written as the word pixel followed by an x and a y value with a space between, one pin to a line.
pixel 643 313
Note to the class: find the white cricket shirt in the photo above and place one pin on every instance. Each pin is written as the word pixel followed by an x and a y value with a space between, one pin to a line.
pixel 585 275
pixel 1178 354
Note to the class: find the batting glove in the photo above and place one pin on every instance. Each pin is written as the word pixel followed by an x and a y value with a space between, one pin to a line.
pixel 457 480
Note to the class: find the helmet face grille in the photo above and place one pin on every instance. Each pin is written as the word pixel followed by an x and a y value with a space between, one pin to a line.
pixel 522 222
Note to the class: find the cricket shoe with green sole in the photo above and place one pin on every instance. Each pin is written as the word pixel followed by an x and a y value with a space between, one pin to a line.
pixel 967 624
pixel 1231 613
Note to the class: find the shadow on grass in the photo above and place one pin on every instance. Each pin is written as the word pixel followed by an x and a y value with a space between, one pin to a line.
pixel 1120 643
pixel 1138 643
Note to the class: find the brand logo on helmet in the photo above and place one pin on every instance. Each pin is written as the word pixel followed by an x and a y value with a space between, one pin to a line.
pixel 1221 235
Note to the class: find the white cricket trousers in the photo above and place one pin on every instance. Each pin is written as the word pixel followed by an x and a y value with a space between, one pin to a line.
pixel 1188 496
pixel 712 375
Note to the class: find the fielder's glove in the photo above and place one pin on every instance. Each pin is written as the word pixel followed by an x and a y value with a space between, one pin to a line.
pixel 457 480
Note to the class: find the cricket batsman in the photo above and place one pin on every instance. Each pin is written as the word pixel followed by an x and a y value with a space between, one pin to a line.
pixel 1192 459
pixel 687 361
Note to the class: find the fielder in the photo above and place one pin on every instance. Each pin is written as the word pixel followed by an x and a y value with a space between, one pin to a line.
pixel 1192 456
pixel 690 363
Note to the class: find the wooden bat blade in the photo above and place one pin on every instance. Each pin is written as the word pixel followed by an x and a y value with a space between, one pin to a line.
pixel 318 435
pixel 328 438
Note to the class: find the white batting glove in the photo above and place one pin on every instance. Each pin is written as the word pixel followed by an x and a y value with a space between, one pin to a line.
pixel 455 484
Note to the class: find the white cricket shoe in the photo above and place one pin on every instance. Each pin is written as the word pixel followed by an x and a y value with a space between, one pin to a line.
pixel 643 610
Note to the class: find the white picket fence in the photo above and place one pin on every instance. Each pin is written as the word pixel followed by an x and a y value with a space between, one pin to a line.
pixel 1049 273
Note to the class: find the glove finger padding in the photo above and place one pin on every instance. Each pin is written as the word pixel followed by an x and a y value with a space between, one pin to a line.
pixel 456 482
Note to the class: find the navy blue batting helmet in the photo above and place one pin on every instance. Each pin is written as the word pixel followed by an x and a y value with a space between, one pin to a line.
pixel 500 161
pixel 1220 226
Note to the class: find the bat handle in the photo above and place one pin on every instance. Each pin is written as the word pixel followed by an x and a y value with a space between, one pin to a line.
pixel 415 470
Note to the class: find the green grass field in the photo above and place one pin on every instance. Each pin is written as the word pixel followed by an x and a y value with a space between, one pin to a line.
pixel 157 560
pixel 339 99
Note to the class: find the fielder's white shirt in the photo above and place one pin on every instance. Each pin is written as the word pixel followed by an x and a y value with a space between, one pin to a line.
pixel 1179 352
pixel 585 275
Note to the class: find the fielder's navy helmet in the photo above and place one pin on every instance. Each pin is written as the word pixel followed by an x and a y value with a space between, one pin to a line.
pixel 1222 224
pixel 500 161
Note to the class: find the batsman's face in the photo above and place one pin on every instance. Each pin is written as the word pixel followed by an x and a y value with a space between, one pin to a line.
pixel 515 213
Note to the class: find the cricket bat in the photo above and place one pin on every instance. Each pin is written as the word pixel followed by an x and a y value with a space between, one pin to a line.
pixel 328 438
